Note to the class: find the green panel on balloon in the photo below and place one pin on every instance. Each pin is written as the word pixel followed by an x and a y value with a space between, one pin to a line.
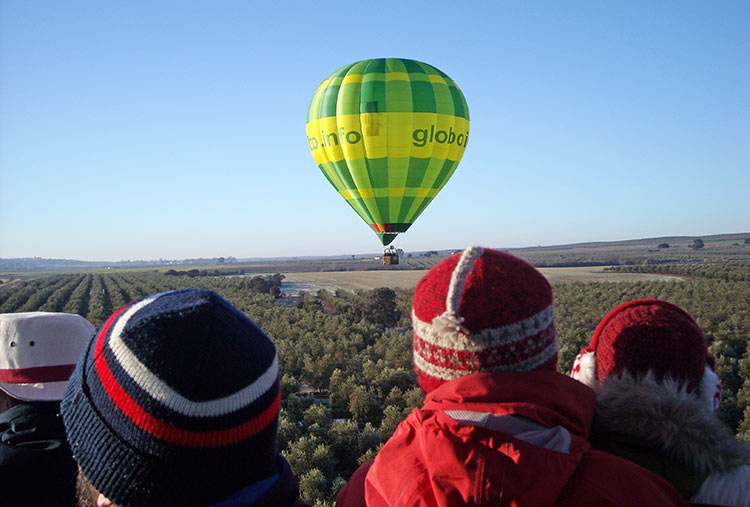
pixel 388 133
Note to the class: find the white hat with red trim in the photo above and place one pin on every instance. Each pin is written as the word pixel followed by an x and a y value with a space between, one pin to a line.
pixel 38 351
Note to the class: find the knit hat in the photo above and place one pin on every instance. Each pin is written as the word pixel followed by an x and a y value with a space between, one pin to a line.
pixel 648 336
pixel 38 351
pixel 175 401
pixel 480 311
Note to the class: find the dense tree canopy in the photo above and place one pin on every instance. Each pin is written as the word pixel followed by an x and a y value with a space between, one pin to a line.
pixel 346 357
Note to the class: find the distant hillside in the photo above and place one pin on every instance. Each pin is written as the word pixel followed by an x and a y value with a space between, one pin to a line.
pixel 716 248
pixel 38 263
pixel 645 242
pixel 41 264
pixel 664 250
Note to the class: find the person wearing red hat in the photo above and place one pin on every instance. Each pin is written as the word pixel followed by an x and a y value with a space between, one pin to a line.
pixel 657 394
pixel 500 425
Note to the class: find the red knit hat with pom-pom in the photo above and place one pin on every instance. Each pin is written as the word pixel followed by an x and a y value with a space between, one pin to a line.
pixel 480 311
pixel 649 336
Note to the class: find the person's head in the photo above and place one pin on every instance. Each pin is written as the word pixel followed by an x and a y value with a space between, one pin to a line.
pixel 654 339
pixel 175 401
pixel 38 351
pixel 482 311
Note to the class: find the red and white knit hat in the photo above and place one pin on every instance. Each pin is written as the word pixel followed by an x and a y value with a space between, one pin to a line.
pixel 479 311
pixel 650 336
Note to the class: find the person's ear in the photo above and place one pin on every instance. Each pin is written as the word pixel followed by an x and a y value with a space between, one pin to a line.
pixel 103 501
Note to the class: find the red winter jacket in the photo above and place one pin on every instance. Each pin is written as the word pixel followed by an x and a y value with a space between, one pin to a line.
pixel 502 439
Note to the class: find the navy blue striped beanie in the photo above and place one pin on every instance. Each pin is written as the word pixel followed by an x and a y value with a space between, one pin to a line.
pixel 175 401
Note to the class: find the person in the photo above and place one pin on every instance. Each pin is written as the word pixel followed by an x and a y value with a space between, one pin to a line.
pixel 175 401
pixel 38 351
pixel 499 425
pixel 657 395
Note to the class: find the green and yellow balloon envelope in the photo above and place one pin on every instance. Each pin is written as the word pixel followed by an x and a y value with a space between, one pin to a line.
pixel 388 133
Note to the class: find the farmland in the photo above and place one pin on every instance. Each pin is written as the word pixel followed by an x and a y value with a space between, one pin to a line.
pixel 364 280
pixel 345 350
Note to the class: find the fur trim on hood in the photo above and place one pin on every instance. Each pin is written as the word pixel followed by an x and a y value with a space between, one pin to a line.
pixel 665 415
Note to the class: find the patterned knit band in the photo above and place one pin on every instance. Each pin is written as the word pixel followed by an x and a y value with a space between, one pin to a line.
pixel 479 311
pixel 174 401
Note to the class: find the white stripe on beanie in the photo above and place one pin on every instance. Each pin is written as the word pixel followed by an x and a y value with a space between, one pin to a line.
pixel 458 279
pixel 160 391
pixel 487 338
pixel 448 324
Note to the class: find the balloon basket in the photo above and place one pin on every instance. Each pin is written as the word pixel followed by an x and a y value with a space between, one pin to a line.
pixel 390 256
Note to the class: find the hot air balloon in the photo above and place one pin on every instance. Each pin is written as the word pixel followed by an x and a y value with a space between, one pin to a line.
pixel 388 133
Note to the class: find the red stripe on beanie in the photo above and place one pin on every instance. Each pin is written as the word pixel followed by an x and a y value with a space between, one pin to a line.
pixel 59 373
pixel 161 429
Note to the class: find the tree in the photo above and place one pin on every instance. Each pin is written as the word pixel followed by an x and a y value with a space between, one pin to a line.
pixel 381 307
pixel 663 245
pixel 340 388
pixel 318 370
pixel 289 385
pixel 296 405
pixel 395 399
pixel 288 431
pixel 697 244
pixel 414 398
pixel 743 432
pixel 369 439
pixel 308 452
pixel 392 417
pixel 363 404
pixel 344 438
pixel 317 414
pixel 312 486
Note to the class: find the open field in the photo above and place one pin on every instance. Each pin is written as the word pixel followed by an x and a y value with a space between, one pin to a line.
pixel 365 280
pixel 597 274
pixel 717 248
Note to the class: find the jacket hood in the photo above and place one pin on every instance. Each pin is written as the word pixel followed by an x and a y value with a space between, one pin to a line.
pixel 33 427
pixel 35 459
pixel 549 397
pixel 435 457
pixel 663 414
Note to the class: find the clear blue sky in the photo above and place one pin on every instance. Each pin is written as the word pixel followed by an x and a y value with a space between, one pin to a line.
pixel 174 129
